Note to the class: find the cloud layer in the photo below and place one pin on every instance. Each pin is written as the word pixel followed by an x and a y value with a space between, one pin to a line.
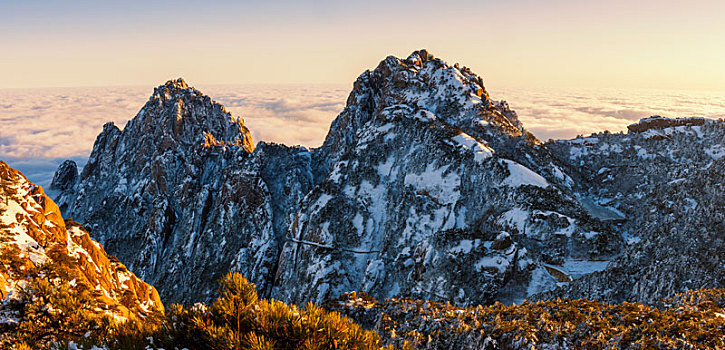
pixel 290 114
pixel 565 113
pixel 40 127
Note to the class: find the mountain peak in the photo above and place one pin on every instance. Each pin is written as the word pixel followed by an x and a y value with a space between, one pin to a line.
pixel 419 57
pixel 422 84
pixel 177 122
pixel 177 111
pixel 174 89
pixel 179 83
pixel 175 84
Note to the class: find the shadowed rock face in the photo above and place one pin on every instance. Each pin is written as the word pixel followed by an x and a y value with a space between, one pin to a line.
pixel 666 178
pixel 65 177
pixel 176 195
pixel 31 227
pixel 424 187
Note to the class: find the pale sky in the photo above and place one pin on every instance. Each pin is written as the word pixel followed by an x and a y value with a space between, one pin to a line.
pixel 667 44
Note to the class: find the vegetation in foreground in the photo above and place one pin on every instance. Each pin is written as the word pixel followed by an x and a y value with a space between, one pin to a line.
pixel 51 313
pixel 692 320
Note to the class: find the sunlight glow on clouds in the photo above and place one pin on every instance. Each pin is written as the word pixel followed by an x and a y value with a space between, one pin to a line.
pixel 41 127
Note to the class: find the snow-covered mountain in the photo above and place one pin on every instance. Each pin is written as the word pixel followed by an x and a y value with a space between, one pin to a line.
pixel 424 187
pixel 33 234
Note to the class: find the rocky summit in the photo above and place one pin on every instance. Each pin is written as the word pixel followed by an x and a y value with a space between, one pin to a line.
pixel 424 187
pixel 423 182
pixel 176 195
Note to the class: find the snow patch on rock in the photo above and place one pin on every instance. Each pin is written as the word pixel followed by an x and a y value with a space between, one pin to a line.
pixel 520 175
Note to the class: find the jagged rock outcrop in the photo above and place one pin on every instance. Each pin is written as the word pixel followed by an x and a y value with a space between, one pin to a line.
pixel 32 233
pixel 177 195
pixel 660 122
pixel 423 187
pixel 65 177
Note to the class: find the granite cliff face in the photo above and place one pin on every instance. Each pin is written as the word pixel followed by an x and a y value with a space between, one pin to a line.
pixel 33 233
pixel 424 187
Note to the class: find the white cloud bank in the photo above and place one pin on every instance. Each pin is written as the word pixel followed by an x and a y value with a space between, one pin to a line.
pixel 41 127
pixel 565 113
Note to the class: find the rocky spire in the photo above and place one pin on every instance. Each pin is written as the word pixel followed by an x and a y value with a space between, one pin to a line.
pixel 154 192
pixel 65 177
pixel 179 113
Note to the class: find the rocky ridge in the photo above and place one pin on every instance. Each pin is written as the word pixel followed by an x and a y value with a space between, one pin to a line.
pixel 421 174
pixel 658 122
pixel 690 320
pixel 666 177
pixel 33 233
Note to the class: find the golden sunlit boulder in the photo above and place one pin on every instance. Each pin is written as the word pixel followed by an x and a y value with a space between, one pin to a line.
pixel 33 234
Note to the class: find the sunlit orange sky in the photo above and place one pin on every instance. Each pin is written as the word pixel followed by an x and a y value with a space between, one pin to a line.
pixel 669 44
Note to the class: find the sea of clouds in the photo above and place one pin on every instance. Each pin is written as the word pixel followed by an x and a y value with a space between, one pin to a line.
pixel 39 128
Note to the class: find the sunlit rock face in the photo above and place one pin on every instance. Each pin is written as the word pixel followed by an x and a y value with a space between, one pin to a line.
pixel 33 233
pixel 424 187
